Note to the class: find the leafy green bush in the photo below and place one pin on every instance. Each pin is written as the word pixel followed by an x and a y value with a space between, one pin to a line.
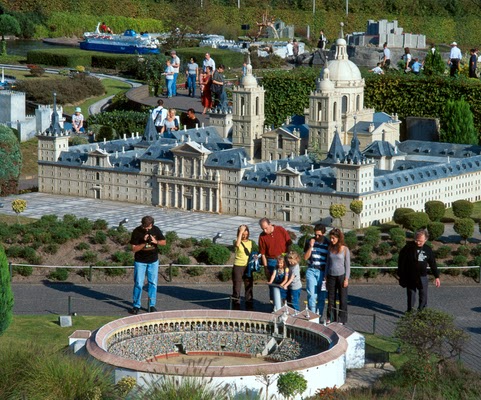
pixel 14 251
pixel 398 237
pixel 89 257
pixel 452 271
pixel 473 272
pixel 100 225
pixel 24 270
pixel 58 274
pixel 357 273
pixel 225 274
pixel 114 271
pixel 183 260
pixel 185 243
pixel 371 273
pixel 436 230
pixel 350 238
pixel 372 236
pixel 399 213
pixel 364 255
pixel 11 157
pixel 82 246
pixel 463 250
pixel 462 208
pixel 119 235
pixel 291 384
pixel 460 260
pixel 383 249
pixel 51 248
pixel 99 238
pixel 415 220
pixel 30 255
pixel 464 227
pixel 443 252
pixel 476 251
pixel 215 254
pixel 195 271
pixel 123 257
pixel 435 210
pixel 173 270
pixel 123 122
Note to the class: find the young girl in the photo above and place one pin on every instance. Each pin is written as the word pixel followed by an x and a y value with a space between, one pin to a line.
pixel 280 276
pixel 243 248
pixel 338 270
pixel 294 284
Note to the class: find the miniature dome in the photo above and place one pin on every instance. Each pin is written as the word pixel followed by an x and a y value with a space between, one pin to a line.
pixel 325 84
pixel 249 81
pixel 341 68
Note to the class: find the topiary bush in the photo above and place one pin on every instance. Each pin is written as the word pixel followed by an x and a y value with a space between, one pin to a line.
pixel 462 208
pixel 415 220
pixel 364 255
pixel 195 271
pixel 436 230
pixel 24 270
pixel 435 210
pixel 183 260
pixel 398 237
pixel 123 257
pixel 82 246
pixel 372 236
pixel 460 260
pixel 51 248
pixel 225 274
pixel 399 213
pixel 443 252
pixel 463 250
pixel 89 257
pixel 215 254
pixel 350 238
pixel 383 249
pixel 464 227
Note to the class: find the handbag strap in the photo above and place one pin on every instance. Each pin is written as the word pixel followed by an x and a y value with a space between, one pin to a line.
pixel 246 250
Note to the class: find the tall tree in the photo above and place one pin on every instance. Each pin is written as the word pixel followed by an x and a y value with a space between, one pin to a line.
pixel 10 161
pixel 457 124
pixel 6 294
pixel 8 26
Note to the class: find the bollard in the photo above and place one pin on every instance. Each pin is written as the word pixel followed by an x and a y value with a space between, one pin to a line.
pixel 90 272
pixel 170 272
pixel 374 324
pixel 69 307
pixel 10 267
pixel 276 297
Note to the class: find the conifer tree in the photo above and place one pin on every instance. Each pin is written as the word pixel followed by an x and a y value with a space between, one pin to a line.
pixel 434 64
pixel 6 294
pixel 457 125
pixel 10 161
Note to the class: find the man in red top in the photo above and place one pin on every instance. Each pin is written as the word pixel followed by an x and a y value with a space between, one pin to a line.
pixel 273 241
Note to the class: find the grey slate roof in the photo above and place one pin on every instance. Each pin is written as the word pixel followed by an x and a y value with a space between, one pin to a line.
pixel 235 158
pixel 381 149
pixel 419 147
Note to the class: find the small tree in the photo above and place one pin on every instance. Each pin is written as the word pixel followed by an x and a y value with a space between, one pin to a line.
pixel 434 64
pixel 415 220
pixel 457 124
pixel 337 211
pixel 399 214
pixel 6 293
pixel 356 206
pixel 435 209
pixel 291 383
pixel 19 206
pixel 464 227
pixel 462 208
pixel 10 161
pixel 398 237
pixel 266 380
pixel 436 230
pixel 8 26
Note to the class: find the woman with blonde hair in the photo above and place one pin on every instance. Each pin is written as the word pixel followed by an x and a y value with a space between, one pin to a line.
pixel 169 124
pixel 338 270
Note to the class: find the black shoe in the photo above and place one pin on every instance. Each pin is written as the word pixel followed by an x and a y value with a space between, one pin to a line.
pixel 134 311
pixel 152 309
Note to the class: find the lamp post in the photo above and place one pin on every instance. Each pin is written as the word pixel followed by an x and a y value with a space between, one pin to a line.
pixel 123 222
pixel 216 237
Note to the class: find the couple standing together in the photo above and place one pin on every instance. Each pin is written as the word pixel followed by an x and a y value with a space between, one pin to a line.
pixel 328 266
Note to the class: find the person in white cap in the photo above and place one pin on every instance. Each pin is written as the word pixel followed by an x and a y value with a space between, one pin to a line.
pixel 454 58
pixel 78 121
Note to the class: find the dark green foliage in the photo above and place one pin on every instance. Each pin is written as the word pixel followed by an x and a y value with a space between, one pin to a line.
pixel 464 227
pixel 99 237
pixel 89 257
pixel 225 274
pixel 51 248
pixel 11 161
pixel 14 251
pixel 460 260
pixel 58 274
pixel 434 64
pixel 287 93
pixel 372 236
pixel 100 225
pixel 24 270
pixel 436 230
pixel 443 252
pixel 291 384
pixel 30 255
pixel 205 243
pixel 8 25
pixel 119 235
pixel 350 238
pixel 165 250
pixel 457 124
pixel 371 273
pixel 106 133
pixel 383 249
pixel 364 255
pixel 123 122
pixel 115 271
pixel 476 251
pixel 399 214
pixel 71 90
pixel 124 258
pixel 82 246
pixel 398 237
pixel 215 254
pixel 171 236
pixel 357 273
pixel 415 220
pixel 435 210
pixel 195 271
pixel 306 230
pixel 302 240
pixel 463 251
pixel 473 272
pixel 6 294
pixel 185 243
pixel 173 270
pixel 462 208
pixel 183 260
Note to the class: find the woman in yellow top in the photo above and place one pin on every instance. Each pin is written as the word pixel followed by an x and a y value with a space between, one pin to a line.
pixel 243 248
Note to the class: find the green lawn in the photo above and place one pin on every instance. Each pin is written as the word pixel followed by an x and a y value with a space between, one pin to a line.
pixel 44 330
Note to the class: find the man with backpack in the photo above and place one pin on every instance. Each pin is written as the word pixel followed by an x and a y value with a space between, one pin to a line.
pixel 159 113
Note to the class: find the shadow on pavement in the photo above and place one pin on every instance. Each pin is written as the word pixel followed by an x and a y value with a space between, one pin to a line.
pixel 374 306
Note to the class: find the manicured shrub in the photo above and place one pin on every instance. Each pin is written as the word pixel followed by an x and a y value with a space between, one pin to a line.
pixel 435 210
pixel 452 271
pixel 464 227
pixel 350 238
pixel 443 252
pixel 123 257
pixel 99 237
pixel 383 249
pixel 183 260
pixel 372 236
pixel 415 220
pixel 436 230
pixel 114 271
pixel 89 257
pixel 123 122
pixel 100 225
pixel 215 254
pixel 399 213
pixel 398 237
pixel 463 250
pixel 476 251
pixel 58 274
pixel 119 235
pixel 462 208
pixel 357 273
pixel 371 273
pixel 364 255
pixel 30 255
pixel 460 260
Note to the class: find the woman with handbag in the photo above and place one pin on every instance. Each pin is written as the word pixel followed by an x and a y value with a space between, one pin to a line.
pixel 241 272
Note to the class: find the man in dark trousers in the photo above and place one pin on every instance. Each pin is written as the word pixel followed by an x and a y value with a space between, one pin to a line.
pixel 144 240
pixel 414 260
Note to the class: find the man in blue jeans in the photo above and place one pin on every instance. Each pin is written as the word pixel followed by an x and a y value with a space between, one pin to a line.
pixel 144 240
pixel 315 253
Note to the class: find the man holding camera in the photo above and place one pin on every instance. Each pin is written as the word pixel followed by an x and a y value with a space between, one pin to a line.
pixel 144 240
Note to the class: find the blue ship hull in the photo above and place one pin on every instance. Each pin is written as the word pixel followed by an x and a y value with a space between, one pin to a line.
pixel 117 48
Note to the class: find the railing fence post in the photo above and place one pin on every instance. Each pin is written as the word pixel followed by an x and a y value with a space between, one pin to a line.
pixel 90 272
pixel 10 267
pixel 374 324
pixel 69 305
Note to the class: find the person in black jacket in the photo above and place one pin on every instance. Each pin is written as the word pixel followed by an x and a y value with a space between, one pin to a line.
pixel 414 259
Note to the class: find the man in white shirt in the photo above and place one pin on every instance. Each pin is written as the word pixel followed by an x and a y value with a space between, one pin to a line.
pixel 289 49
pixel 377 69
pixel 159 113
pixel 175 62
pixel 208 62
pixel 386 60
pixel 454 58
